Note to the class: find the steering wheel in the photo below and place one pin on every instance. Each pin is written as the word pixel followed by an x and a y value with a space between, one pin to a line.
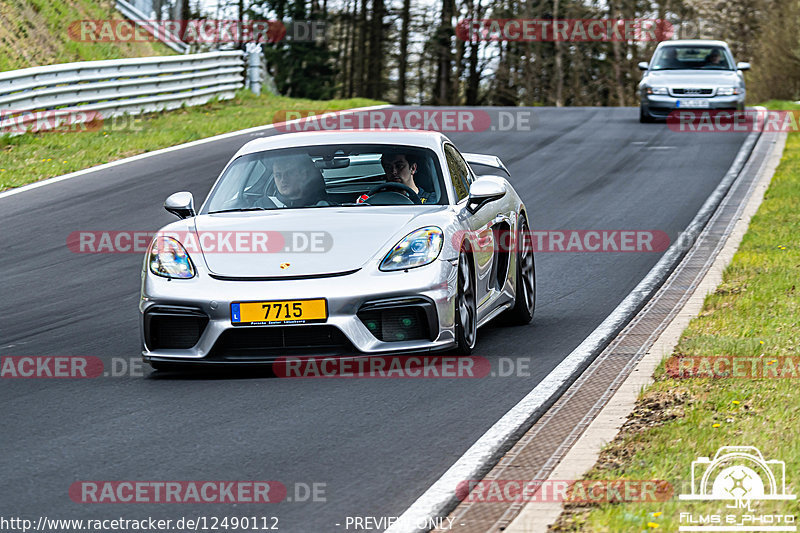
pixel 265 201
pixel 391 186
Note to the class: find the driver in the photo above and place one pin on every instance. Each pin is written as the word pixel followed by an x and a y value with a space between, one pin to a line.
pixel 714 58
pixel 299 182
pixel 400 168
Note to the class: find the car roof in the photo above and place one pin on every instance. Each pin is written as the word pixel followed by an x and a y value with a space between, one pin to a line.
pixel 415 138
pixel 693 42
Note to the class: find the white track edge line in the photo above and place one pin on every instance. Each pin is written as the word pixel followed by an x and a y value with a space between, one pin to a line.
pixel 710 280
pixel 160 151
pixel 439 497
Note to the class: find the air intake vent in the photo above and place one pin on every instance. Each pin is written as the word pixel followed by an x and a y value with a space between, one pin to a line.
pixel 396 324
pixel 173 328
pixel 270 342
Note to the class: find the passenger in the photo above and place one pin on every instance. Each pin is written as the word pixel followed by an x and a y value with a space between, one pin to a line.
pixel 299 182
pixel 670 59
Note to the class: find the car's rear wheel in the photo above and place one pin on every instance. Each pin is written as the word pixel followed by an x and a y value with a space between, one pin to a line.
pixel 525 301
pixel 466 306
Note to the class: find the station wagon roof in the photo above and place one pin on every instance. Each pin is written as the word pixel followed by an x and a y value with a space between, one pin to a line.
pixel 693 42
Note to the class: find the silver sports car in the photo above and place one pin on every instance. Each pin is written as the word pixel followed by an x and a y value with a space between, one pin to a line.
pixel 340 244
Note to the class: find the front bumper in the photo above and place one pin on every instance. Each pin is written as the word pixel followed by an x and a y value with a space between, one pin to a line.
pixel 660 106
pixel 431 288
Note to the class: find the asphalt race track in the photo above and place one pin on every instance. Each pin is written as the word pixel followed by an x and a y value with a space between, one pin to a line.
pixel 376 444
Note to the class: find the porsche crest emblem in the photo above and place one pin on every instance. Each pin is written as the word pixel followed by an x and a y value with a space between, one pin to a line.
pixel 284 266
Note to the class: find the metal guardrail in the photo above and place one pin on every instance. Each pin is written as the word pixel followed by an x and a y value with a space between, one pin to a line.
pixel 134 13
pixel 120 86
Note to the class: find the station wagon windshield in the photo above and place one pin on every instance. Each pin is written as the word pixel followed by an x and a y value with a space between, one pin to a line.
pixel 691 58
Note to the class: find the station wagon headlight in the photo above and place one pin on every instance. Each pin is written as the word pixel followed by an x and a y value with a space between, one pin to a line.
pixel 416 249
pixel 657 90
pixel 169 259
pixel 727 91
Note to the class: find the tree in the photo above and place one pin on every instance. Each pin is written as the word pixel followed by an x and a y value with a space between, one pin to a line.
pixel 403 59
pixel 443 93
pixel 301 68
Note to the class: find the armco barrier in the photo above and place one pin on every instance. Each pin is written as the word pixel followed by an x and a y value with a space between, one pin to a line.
pixel 120 86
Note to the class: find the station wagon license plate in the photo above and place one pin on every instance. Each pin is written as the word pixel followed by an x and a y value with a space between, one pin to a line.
pixel 269 313
pixel 692 103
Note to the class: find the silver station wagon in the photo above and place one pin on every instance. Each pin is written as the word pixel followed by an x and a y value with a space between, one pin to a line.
pixel 690 74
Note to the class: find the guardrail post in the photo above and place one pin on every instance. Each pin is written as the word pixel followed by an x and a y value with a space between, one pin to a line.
pixel 254 69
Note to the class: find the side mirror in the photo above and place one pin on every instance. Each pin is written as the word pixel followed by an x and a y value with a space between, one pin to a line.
pixel 180 204
pixel 742 66
pixel 644 65
pixel 483 191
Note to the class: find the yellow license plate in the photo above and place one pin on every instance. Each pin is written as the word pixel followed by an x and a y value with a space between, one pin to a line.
pixel 279 312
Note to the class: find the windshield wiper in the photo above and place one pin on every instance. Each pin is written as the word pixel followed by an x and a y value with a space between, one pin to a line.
pixel 235 209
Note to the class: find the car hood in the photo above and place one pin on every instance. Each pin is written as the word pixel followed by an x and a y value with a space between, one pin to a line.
pixel 692 78
pixel 302 242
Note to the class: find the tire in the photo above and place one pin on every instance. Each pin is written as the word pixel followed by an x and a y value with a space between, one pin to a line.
pixel 466 309
pixel 645 117
pixel 525 282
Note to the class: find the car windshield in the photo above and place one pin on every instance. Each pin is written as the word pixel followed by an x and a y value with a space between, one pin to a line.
pixel 692 58
pixel 329 176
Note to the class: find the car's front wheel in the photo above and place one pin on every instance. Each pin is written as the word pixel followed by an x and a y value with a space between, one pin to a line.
pixel 466 306
pixel 644 116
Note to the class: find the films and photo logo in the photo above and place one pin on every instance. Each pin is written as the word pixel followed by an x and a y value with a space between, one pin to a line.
pixel 740 477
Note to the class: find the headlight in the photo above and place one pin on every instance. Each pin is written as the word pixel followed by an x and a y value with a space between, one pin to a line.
pixel 416 249
pixel 657 90
pixel 727 91
pixel 168 258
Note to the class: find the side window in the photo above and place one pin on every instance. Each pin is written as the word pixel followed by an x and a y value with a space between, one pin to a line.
pixel 459 171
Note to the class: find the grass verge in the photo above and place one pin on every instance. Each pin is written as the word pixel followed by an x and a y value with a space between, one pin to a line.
pixel 754 314
pixel 32 157
pixel 35 32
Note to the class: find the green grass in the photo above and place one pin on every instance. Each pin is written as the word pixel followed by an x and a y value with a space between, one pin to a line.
pixel 32 157
pixel 780 105
pixel 35 33
pixel 754 312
